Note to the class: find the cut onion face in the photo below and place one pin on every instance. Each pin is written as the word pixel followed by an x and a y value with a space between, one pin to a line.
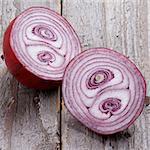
pixel 39 43
pixel 104 90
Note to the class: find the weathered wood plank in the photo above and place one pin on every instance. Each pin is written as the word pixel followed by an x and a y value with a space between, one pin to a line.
pixel 148 18
pixel 121 25
pixel 29 118
pixel 10 11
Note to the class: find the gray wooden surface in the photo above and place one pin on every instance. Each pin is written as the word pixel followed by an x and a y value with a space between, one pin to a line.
pixel 38 120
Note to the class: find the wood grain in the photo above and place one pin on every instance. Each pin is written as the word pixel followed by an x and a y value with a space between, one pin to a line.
pixel 30 119
pixel 121 25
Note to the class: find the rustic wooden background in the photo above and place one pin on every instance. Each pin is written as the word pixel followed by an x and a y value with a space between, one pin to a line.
pixel 38 120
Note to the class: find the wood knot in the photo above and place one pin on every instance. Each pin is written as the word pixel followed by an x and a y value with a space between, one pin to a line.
pixel 2 57
pixel 36 101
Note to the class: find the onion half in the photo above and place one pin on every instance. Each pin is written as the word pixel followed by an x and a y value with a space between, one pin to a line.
pixel 38 45
pixel 104 90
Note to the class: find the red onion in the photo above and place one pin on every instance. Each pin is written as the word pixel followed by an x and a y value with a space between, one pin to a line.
pixel 38 45
pixel 104 90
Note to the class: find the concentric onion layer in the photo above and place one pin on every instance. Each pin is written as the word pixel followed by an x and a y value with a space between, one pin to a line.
pixel 44 42
pixel 104 90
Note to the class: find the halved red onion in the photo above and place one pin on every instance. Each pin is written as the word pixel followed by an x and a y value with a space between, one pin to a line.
pixel 38 45
pixel 104 90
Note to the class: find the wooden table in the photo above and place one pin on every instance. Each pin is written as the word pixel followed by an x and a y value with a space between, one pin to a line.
pixel 38 120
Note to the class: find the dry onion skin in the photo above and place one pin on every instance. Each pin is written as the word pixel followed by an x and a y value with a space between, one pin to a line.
pixel 38 45
pixel 104 90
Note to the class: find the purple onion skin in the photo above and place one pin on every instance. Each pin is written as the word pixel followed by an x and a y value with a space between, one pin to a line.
pixel 109 102
pixel 47 37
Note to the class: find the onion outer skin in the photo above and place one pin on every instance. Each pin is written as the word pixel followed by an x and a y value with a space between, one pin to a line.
pixel 81 114
pixel 19 70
